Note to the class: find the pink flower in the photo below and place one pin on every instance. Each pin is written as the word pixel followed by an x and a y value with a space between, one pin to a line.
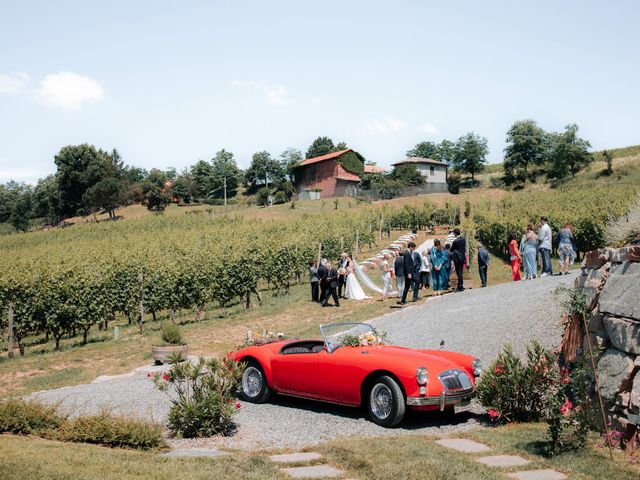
pixel 499 369
pixel 492 413
pixel 566 407
pixel 237 405
pixel 165 377
pixel 148 375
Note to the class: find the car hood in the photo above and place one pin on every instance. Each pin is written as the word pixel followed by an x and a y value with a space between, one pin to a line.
pixel 409 358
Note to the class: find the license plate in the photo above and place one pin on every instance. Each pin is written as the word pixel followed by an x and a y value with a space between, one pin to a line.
pixel 462 407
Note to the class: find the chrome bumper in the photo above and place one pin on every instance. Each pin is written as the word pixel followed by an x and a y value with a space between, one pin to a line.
pixel 443 400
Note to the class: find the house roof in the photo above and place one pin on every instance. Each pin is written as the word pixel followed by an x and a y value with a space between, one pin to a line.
pixel 429 161
pixel 322 158
pixel 373 169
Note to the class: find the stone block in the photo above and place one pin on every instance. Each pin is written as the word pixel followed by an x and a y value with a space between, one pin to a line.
pixel 624 334
pixel 463 445
pixel 503 461
pixel 614 370
pixel 547 474
pixel 620 294
pixel 599 342
pixel 316 471
pixel 625 254
pixel 594 283
pixel 195 452
pixel 295 457
pixel 595 258
pixel 634 396
pixel 622 400
pixel 581 280
pixel 595 322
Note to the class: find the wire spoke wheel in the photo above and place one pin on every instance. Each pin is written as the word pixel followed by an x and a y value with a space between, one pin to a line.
pixel 252 382
pixel 381 401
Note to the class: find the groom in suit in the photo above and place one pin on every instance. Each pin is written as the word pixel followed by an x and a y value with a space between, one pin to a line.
pixel 408 266
pixel 459 254
pixel 332 284
pixel 322 280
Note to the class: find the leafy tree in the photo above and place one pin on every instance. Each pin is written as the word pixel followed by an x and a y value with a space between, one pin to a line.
pixel 569 153
pixel 454 181
pixel 107 194
pixel 289 159
pixel 608 157
pixel 21 210
pixel 263 171
pixel 79 167
pixel 424 150
pixel 202 176
pixel 320 146
pixel 262 196
pixel 9 195
pixel 407 175
pixel 157 199
pixel 340 146
pixel 446 151
pixel 46 200
pixel 182 187
pixel 470 154
pixel 526 146
pixel 134 174
pixel 224 167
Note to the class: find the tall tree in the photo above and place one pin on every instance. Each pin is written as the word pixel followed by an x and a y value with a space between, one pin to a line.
pixel 202 176
pixel 569 153
pixel 46 200
pixel 526 146
pixel 320 146
pixel 424 150
pixel 264 171
pixel 446 151
pixel 288 160
pixel 21 210
pixel 470 154
pixel 338 147
pixel 224 169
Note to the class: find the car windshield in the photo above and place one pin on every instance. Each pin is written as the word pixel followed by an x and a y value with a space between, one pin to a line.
pixel 334 333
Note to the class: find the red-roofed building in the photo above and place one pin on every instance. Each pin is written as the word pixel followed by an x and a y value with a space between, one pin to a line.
pixel 335 174
pixel 374 169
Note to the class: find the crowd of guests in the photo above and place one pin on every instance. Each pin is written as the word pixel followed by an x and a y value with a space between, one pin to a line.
pixel 533 246
pixel 413 270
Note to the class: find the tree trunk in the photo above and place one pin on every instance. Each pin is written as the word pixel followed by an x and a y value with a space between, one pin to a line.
pixel 153 315
pixel 57 342
pixel 85 334
pixel 173 316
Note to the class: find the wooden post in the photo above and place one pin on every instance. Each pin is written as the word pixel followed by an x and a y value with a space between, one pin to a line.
pixel 381 224
pixel 357 242
pixel 10 329
pixel 141 278
pixel 319 254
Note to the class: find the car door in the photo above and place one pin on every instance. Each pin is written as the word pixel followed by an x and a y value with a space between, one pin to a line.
pixel 340 375
pixel 296 374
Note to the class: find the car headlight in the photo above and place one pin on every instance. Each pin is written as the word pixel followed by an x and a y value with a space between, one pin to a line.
pixel 422 375
pixel 476 365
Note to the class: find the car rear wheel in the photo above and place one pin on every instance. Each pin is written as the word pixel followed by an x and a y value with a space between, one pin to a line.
pixel 386 402
pixel 253 385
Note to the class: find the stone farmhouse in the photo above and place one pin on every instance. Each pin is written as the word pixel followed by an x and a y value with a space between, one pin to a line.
pixel 434 172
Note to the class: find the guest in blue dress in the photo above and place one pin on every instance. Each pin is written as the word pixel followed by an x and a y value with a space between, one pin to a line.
pixel 530 253
pixel 439 273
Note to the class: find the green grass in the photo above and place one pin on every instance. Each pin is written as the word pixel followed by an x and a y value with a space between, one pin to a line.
pixel 406 457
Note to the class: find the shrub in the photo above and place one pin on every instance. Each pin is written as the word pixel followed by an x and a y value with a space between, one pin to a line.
pixel 112 431
pixel 515 391
pixel 280 197
pixel 171 334
pixel 454 182
pixel 203 397
pixel 30 418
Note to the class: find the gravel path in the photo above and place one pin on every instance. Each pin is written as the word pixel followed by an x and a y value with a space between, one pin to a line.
pixel 475 321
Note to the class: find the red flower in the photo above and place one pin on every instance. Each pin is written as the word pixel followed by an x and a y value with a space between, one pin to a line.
pixel 566 407
pixel 565 376
pixel 237 405
pixel 165 377
pixel 148 375
pixel 492 413
pixel 499 369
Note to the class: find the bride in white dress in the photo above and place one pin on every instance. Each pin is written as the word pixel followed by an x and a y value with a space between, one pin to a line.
pixel 354 290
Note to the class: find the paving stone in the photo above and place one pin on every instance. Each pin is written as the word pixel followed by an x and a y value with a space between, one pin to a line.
pixel 317 471
pixel 503 461
pixel 537 475
pixel 195 452
pixel 463 445
pixel 295 457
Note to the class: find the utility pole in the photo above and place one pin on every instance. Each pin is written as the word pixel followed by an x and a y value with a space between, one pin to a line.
pixel 225 194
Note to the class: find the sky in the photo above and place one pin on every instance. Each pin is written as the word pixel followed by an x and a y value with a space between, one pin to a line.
pixel 168 83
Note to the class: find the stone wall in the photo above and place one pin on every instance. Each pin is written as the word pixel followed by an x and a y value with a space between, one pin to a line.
pixel 611 281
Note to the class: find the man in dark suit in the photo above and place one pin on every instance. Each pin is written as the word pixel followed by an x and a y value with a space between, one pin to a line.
pixel 407 258
pixel 459 254
pixel 417 264
pixel 322 281
pixel 342 278
pixel 332 284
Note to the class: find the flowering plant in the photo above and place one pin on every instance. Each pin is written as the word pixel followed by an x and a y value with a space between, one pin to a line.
pixel 202 396
pixel 364 339
pixel 261 336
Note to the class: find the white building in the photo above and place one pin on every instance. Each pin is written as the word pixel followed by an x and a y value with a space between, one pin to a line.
pixel 434 171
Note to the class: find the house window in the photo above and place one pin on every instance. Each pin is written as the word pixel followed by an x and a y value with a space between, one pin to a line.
pixel 432 170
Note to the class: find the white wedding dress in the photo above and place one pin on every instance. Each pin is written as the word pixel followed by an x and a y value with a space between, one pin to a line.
pixel 354 290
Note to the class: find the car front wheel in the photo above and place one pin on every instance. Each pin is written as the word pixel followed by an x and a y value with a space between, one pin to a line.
pixel 254 386
pixel 386 402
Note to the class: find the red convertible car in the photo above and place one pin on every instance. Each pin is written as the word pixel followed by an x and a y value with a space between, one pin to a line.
pixel 385 379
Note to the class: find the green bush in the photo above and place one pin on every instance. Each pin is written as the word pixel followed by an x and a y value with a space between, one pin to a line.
pixel 454 181
pixel 29 418
pixel 204 400
pixel 513 390
pixel 171 334
pixel 112 431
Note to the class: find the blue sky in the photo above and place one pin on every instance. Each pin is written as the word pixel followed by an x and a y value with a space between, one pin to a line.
pixel 169 83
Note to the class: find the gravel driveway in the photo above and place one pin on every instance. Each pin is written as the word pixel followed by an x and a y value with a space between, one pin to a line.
pixel 477 321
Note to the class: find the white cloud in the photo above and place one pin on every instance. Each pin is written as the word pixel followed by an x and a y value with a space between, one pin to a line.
pixel 70 90
pixel 386 125
pixel 13 82
pixel 429 128
pixel 315 101
pixel 273 95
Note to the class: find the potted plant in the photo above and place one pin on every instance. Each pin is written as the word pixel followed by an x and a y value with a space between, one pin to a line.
pixel 171 347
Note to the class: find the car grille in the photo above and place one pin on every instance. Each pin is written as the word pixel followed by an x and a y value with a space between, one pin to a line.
pixel 455 381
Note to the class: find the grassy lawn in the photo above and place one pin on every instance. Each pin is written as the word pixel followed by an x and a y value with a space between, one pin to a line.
pixel 406 457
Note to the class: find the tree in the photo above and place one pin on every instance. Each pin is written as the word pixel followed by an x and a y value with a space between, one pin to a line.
pixel 21 211
pixel 9 195
pixel 224 169
pixel 107 194
pixel 406 175
pixel 340 146
pixel 263 172
pixel 446 151
pixel 320 146
pixel 182 187
pixel 569 153
pixel 470 154
pixel 289 159
pixel 424 150
pixel 202 176
pixel 157 199
pixel 79 167
pixel 526 146
pixel 606 154
pixel 46 200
